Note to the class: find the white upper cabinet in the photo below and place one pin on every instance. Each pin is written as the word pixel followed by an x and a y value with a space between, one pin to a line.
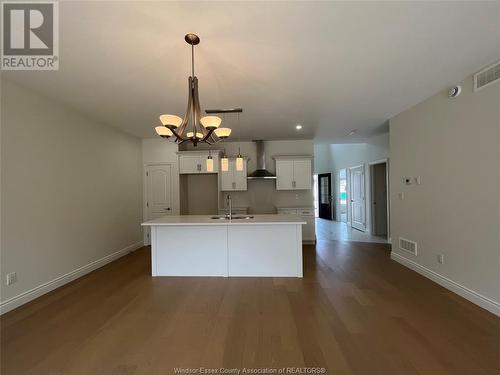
pixel 302 174
pixel 293 173
pixel 234 180
pixel 284 174
pixel 196 162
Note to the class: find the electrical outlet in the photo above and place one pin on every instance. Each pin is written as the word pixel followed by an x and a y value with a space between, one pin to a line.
pixel 10 278
pixel 401 196
pixel 440 258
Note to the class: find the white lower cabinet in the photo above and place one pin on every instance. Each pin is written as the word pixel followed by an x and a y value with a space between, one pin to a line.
pixel 307 214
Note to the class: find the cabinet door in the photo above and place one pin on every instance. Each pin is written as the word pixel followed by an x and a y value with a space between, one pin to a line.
pixel 189 164
pixel 284 174
pixel 227 178
pixel 240 177
pixel 308 229
pixel 302 174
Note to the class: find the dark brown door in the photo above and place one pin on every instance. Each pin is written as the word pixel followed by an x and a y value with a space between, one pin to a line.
pixel 325 195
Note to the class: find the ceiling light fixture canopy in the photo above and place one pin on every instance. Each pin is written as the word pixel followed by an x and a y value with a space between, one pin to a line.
pixel 192 127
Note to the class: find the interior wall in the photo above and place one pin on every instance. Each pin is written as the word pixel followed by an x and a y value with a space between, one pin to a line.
pixel 351 155
pixel 454 146
pixel 198 188
pixel 262 196
pixel 322 158
pixel 71 190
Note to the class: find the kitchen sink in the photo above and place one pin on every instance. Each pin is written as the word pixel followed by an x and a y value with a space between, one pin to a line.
pixel 236 217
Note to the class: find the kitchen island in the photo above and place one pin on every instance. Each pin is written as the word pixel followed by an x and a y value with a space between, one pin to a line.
pixel 245 246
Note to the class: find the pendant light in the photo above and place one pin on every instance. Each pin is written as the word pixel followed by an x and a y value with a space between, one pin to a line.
pixel 210 162
pixel 239 158
pixel 224 162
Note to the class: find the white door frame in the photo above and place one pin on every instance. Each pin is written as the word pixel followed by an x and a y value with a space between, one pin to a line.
pixel 174 193
pixel 349 207
pixel 372 212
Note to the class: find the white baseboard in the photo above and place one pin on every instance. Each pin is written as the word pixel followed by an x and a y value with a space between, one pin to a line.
pixel 40 290
pixel 470 295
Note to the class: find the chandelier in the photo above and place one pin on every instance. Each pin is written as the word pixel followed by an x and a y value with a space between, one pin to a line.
pixel 193 127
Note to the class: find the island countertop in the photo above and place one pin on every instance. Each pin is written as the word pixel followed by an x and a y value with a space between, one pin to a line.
pixel 171 220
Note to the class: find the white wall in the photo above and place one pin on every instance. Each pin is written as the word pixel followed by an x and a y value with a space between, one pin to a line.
pixel 350 155
pixel 262 196
pixel 71 192
pixel 322 158
pixel 454 145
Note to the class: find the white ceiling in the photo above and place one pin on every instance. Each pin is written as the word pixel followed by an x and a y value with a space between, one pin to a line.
pixel 331 67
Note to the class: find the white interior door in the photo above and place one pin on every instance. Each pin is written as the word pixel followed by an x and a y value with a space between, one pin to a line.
pixel 158 191
pixel 358 207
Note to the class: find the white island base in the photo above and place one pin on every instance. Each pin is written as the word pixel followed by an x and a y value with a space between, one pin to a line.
pixel 265 246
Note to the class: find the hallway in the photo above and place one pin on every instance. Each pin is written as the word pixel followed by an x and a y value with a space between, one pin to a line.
pixel 338 231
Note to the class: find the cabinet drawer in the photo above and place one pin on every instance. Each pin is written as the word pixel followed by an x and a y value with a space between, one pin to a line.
pixel 286 211
pixel 306 212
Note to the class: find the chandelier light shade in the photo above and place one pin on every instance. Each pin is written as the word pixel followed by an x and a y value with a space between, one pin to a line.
pixel 171 120
pixel 193 127
pixel 192 136
pixel 211 122
pixel 164 132
pixel 222 132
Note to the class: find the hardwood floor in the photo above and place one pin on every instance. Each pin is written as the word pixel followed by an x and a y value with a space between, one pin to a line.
pixel 354 312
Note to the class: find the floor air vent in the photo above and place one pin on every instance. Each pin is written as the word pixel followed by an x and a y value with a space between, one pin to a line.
pixel 487 76
pixel 408 245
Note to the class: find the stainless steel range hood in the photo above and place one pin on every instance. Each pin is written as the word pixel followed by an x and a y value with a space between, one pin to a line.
pixel 261 172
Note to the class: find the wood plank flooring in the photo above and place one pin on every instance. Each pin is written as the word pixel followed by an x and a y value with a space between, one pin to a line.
pixel 354 312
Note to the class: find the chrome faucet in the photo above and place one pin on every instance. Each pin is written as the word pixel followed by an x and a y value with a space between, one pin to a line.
pixel 230 204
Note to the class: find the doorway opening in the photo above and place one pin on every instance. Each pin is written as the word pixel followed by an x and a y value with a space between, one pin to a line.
pixel 379 199
pixel 342 196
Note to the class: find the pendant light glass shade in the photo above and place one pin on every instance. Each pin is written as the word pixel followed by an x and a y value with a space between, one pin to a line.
pixel 222 132
pixel 210 164
pixel 171 120
pixel 211 122
pixel 163 131
pixel 239 163
pixel 224 164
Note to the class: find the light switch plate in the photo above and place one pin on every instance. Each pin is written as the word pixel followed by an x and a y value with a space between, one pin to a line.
pixel 10 278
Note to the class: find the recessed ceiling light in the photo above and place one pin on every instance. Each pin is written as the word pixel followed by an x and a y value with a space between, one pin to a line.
pixel 352 132
pixel 298 127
